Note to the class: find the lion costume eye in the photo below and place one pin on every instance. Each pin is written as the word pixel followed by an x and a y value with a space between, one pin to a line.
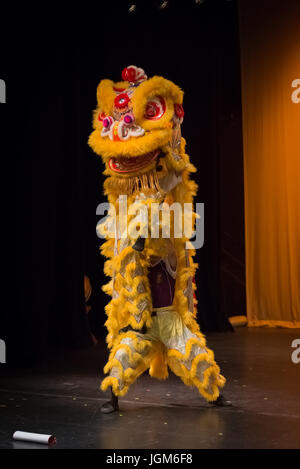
pixel 155 108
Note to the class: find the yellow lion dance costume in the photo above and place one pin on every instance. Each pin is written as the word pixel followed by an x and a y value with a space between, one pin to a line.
pixel 152 314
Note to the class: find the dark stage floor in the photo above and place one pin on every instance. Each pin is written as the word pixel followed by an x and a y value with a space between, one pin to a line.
pixel 63 398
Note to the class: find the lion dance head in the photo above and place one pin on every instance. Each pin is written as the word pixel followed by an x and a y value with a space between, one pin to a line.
pixel 137 132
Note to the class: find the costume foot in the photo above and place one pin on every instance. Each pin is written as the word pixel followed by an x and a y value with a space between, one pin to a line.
pixel 221 402
pixel 110 406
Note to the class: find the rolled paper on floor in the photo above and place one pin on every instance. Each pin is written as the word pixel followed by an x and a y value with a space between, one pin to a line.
pixel 35 438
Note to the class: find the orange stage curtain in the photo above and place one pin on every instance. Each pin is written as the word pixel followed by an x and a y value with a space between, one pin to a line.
pixel 270 62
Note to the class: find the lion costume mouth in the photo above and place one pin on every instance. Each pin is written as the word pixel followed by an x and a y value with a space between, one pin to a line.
pixel 133 164
pixel 142 173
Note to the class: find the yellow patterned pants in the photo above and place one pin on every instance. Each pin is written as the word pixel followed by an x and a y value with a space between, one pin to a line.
pixel 167 343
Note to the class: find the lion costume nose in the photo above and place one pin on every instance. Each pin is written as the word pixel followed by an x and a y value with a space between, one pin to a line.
pixel 121 130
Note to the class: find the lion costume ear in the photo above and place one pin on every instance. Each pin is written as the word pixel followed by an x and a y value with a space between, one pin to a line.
pixel 106 93
pixel 153 102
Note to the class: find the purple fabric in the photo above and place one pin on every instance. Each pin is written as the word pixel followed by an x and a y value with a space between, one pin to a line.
pixel 162 285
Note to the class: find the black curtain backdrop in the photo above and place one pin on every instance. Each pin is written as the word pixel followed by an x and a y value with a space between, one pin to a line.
pixel 60 58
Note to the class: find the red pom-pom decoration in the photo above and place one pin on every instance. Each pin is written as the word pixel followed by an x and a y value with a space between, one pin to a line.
pixel 179 110
pixel 129 74
pixel 121 101
pixel 133 74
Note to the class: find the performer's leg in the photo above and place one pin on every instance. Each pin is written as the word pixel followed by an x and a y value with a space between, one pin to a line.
pixel 196 366
pixel 189 358
pixel 112 405
pixel 129 358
